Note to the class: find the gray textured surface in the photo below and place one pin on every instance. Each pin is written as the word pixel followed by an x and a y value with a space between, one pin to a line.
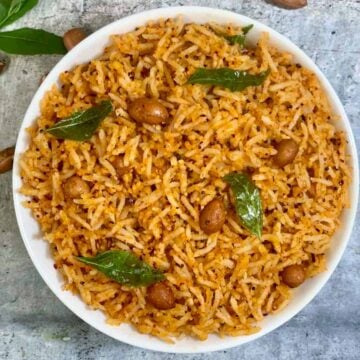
pixel 35 325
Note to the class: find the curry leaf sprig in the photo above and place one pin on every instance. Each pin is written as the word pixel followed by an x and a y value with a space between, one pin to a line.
pixel 247 201
pixel 81 125
pixel 11 10
pixel 235 80
pixel 26 41
pixel 124 267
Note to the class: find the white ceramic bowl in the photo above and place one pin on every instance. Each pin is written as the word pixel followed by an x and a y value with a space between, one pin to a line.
pixel 39 250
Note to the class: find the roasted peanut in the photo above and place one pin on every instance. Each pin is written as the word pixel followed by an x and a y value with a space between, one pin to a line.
pixel 161 296
pixel 290 4
pixel 286 152
pixel 6 159
pixel 4 62
pixel 212 216
pixel 293 275
pixel 148 111
pixel 75 186
pixel 73 37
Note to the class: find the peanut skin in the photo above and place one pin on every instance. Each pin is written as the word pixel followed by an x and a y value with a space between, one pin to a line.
pixel 148 111
pixel 161 296
pixel 293 275
pixel 287 150
pixel 212 216
pixel 75 186
pixel 6 159
pixel 73 37
pixel 290 4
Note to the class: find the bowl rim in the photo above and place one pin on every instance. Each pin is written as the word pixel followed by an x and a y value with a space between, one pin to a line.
pixel 151 343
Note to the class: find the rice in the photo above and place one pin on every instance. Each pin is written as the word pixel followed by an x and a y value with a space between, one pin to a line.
pixel 224 283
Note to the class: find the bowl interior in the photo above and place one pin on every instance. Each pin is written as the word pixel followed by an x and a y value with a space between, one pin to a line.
pixel 39 250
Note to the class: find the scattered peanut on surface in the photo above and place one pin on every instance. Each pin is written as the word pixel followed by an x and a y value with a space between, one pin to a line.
pixel 2 66
pixel 73 37
pixel 4 62
pixel 6 159
pixel 290 4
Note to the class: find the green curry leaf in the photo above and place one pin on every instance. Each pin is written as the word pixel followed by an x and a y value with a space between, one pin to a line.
pixel 11 10
pixel 81 125
pixel 124 267
pixel 247 28
pixel 247 201
pixel 28 41
pixel 235 80
pixel 240 38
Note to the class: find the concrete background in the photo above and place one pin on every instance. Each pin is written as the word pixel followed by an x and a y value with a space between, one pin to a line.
pixel 35 325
